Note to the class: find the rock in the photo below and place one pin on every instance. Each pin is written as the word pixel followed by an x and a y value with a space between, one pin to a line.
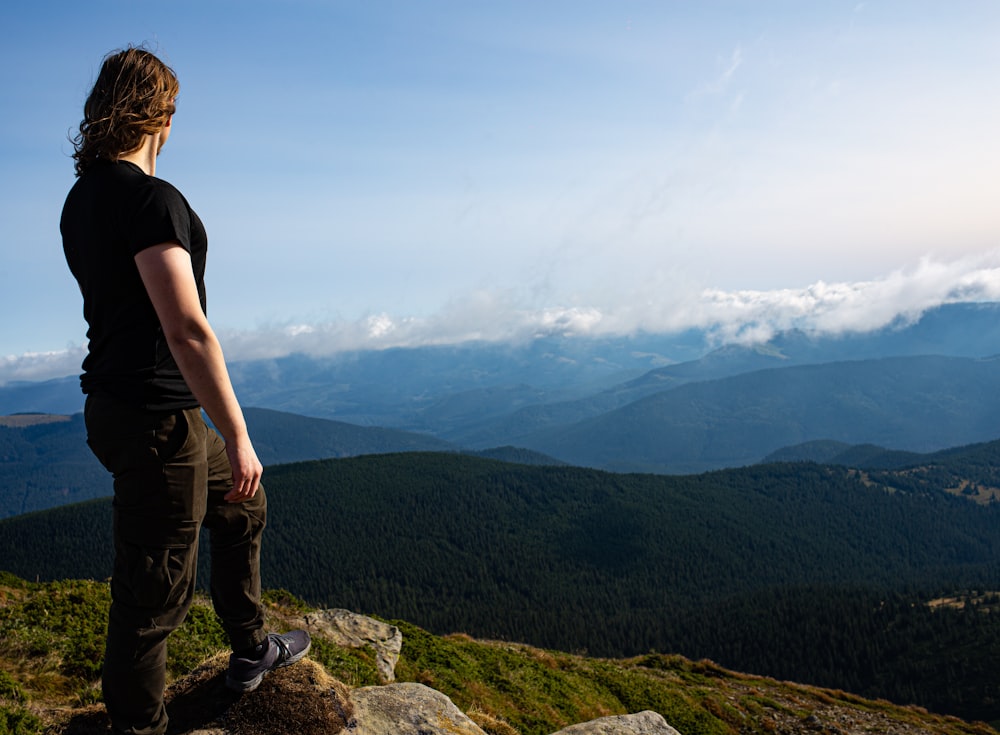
pixel 643 723
pixel 813 722
pixel 407 709
pixel 351 630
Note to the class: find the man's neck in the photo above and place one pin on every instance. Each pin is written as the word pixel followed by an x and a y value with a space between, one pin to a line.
pixel 145 155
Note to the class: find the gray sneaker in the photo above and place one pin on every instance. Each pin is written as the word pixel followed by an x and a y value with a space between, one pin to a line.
pixel 246 674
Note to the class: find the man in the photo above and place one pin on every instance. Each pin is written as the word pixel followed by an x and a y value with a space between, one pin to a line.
pixel 138 250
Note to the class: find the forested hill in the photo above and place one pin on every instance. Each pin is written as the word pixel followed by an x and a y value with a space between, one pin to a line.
pixel 576 559
pixel 287 437
pixel 45 462
pixel 458 542
pixel 972 471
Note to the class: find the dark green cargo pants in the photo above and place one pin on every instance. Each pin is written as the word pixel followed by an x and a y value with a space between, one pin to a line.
pixel 170 474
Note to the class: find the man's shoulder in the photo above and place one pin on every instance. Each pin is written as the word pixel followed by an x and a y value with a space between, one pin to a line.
pixel 138 189
pixel 126 175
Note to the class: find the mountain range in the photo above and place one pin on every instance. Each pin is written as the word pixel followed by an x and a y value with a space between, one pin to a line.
pixel 814 508
pixel 909 403
pixel 594 403
pixel 445 390
pixel 822 574
pixel 915 404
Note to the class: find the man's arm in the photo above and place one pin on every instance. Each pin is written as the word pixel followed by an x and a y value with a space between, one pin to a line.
pixel 166 272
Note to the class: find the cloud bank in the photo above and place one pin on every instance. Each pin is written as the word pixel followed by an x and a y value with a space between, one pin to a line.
pixel 726 317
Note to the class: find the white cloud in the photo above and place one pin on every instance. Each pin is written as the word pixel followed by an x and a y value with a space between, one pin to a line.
pixel 40 365
pixel 836 308
pixel 742 316
pixel 380 326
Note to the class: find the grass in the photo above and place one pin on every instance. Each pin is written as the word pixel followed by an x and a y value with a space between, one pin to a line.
pixel 52 637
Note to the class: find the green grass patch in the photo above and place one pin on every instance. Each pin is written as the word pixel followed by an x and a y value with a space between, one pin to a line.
pixel 16 720
pixel 286 602
pixel 200 637
pixel 531 689
pixel 354 666
pixel 54 636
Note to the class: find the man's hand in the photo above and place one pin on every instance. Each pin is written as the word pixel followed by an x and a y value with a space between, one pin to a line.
pixel 247 471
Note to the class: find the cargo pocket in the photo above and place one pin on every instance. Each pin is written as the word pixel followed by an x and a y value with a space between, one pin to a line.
pixel 156 573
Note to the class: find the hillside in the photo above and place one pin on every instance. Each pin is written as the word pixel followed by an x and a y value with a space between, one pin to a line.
pixel 281 437
pixel 918 404
pixel 913 405
pixel 521 423
pixel 45 462
pixel 56 396
pixel 576 559
pixel 972 472
pixel 506 688
pixel 436 389
pixel 654 541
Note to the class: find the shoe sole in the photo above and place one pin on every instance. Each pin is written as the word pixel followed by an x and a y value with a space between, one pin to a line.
pixel 243 687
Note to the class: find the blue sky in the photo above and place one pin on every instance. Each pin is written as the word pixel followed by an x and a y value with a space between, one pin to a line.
pixel 379 173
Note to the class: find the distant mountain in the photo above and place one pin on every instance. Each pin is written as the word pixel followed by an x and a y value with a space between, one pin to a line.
pixel 838 413
pixel 439 389
pixel 520 424
pixel 281 437
pixel 821 451
pixel 954 330
pixel 914 404
pixel 457 392
pixel 483 395
pixel 833 452
pixel 516 455
pixel 649 403
pixel 57 396
pixel 44 464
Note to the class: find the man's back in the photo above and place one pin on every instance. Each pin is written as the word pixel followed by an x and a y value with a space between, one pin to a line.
pixel 113 212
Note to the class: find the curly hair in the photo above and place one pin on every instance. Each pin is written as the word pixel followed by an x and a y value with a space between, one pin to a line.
pixel 132 97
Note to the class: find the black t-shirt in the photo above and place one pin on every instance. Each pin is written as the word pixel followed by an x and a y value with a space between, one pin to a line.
pixel 114 211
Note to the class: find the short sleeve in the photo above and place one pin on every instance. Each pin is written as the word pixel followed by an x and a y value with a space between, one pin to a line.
pixel 159 214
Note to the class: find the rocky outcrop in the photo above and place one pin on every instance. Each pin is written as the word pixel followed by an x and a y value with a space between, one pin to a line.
pixel 643 723
pixel 350 630
pixel 305 700
pixel 407 709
